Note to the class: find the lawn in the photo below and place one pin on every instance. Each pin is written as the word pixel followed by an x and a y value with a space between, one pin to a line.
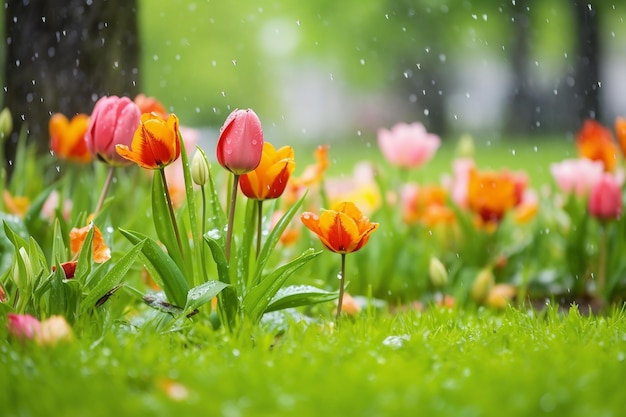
pixel 444 362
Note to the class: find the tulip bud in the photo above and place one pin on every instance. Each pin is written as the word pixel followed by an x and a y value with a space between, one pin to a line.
pixel 499 295
pixel 465 148
pixel 437 272
pixel 54 330
pixel 240 145
pixel 23 271
pixel 6 123
pixel 482 284
pixel 199 168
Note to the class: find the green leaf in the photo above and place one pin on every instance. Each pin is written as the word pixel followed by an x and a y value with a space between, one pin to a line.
pixel 259 297
pixel 228 302
pixel 299 295
pixel 163 222
pixel 169 275
pixel 273 238
pixel 112 278
pixel 191 211
pixel 203 293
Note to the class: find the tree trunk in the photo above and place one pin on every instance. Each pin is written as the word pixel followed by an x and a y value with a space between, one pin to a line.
pixel 61 56
pixel 587 69
pixel 521 111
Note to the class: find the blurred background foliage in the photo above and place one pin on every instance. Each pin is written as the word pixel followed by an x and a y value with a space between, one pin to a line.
pixel 324 70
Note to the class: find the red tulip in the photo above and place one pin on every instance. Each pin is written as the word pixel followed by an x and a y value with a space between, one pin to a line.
pixel 240 144
pixel 605 198
pixel 113 122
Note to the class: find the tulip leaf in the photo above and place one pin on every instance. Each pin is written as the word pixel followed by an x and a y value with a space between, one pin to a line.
pixel 299 295
pixel 168 274
pixel 191 209
pixel 273 238
pixel 203 293
pixel 112 278
pixel 163 221
pixel 259 297
pixel 227 299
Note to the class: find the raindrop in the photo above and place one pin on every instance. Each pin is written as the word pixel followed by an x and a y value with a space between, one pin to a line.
pixel 339 275
pixel 234 61
pixel 362 61
pixel 475 17
pixel 513 152
pixel 426 112
pixel 155 57
pixel 485 17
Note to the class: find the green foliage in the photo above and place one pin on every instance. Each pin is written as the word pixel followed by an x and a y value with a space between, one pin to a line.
pixel 443 362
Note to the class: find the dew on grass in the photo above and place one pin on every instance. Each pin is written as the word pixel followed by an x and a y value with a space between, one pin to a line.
pixel 396 342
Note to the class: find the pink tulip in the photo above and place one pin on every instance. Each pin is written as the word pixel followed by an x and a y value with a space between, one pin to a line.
pixel 23 326
pixel 605 198
pixel 576 175
pixel 240 144
pixel 113 122
pixel 408 145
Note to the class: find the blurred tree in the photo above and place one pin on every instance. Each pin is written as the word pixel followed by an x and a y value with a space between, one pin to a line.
pixel 63 55
pixel 588 58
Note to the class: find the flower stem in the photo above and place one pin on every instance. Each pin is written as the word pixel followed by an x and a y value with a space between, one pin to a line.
pixel 171 208
pixel 203 228
pixel 259 205
pixel 601 282
pixel 342 278
pixel 231 216
pixel 105 190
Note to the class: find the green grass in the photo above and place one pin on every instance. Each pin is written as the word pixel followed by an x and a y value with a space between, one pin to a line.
pixel 456 363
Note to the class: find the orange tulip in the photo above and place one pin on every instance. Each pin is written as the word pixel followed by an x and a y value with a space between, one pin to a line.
pixel 270 177
pixel 101 252
pixel 620 131
pixel 150 105
pixel 595 142
pixel 67 137
pixel 342 230
pixel 156 142
pixel 492 194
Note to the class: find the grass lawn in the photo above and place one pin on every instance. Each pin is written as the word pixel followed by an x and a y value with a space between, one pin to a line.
pixel 456 363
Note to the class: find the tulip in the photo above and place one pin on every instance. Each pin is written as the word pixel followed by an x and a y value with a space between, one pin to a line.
pixel 6 123
pixel 576 175
pixel 54 330
pixel 67 137
pixel 408 145
pixel 113 122
pixel 344 229
pixel 595 142
pixel 156 142
pixel 150 105
pixel 199 168
pixel 620 132
pixel 239 150
pixel 100 251
pixel 605 198
pixel 240 144
pixel 437 272
pixel 269 179
pixel 492 194
pixel 23 326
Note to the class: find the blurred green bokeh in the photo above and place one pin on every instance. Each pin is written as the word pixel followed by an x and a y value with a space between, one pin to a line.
pixel 325 69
